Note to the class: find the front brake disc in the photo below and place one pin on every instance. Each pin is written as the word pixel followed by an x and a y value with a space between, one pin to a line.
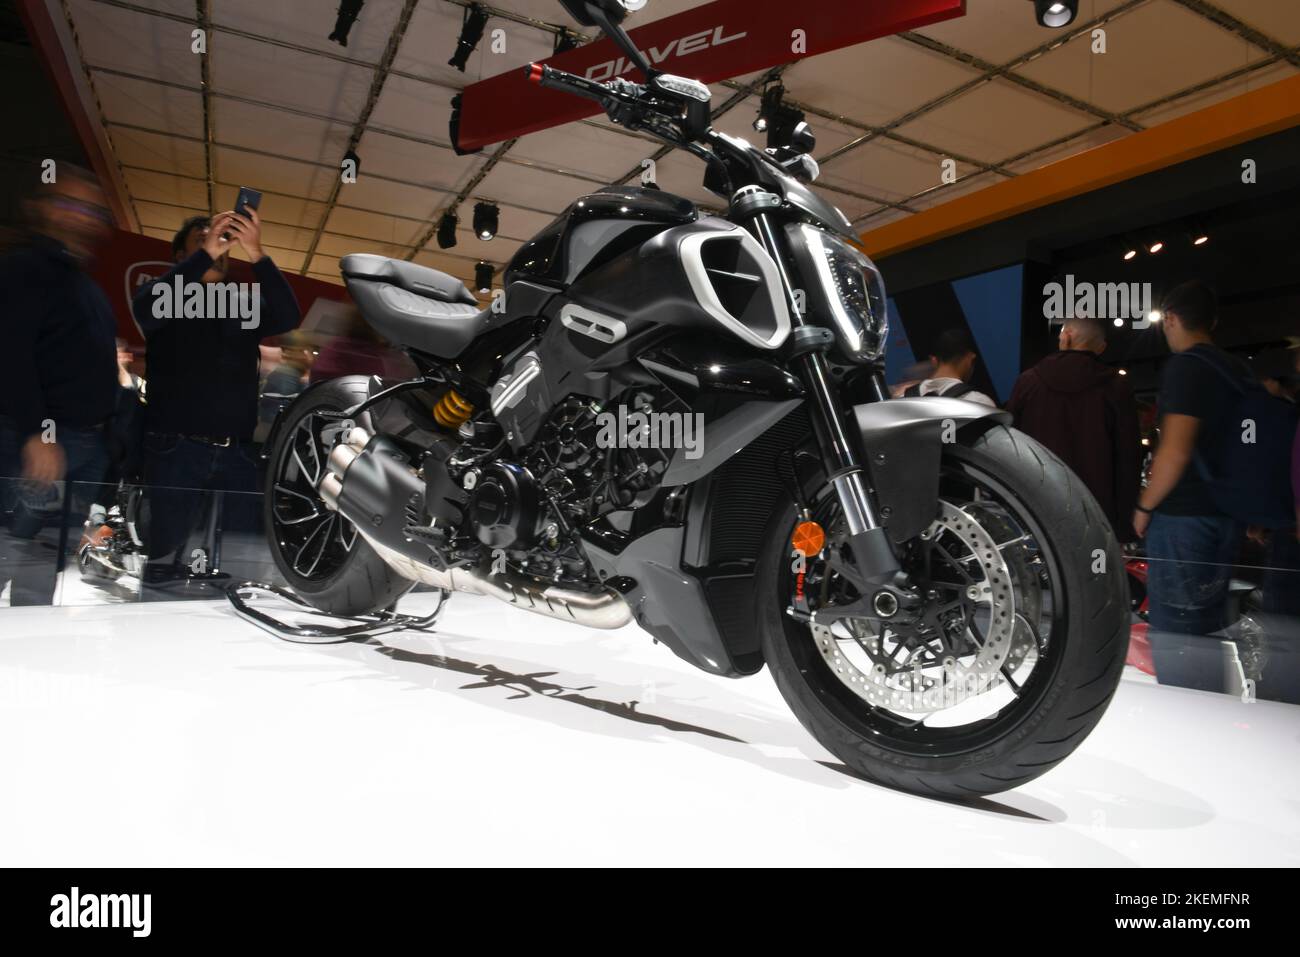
pixel 959 680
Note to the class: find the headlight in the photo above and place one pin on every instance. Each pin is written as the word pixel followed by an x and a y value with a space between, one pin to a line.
pixel 854 293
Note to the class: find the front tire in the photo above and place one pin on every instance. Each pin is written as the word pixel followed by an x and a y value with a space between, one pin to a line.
pixel 1074 672
pixel 318 551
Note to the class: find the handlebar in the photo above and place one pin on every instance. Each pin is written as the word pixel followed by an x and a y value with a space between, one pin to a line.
pixel 554 79
pixel 676 120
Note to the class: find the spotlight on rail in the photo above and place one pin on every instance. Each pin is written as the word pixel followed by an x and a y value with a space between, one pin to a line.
pixel 483 276
pixel 1055 13
pixel 471 31
pixel 486 220
pixel 447 230
pixel 348 11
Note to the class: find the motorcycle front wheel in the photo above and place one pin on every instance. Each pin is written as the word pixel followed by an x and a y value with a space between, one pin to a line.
pixel 1011 662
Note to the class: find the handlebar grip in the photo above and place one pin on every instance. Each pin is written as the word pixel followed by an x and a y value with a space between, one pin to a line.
pixel 554 79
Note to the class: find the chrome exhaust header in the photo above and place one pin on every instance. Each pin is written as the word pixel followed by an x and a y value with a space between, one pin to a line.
pixel 603 609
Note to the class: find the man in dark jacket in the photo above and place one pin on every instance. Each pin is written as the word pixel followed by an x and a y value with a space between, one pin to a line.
pixel 202 335
pixel 59 386
pixel 1083 410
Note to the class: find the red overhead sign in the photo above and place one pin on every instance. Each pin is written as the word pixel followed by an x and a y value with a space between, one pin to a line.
pixel 714 41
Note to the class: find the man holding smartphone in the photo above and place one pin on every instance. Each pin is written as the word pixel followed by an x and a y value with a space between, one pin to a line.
pixel 202 372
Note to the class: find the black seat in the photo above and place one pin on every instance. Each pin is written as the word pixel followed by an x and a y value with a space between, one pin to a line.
pixel 413 305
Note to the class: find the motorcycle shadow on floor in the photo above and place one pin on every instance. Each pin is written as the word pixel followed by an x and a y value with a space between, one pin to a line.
pixel 520 683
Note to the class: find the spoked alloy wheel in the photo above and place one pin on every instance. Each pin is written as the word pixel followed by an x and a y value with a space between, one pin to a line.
pixel 314 540
pixel 1011 660
pixel 969 660
pixel 318 551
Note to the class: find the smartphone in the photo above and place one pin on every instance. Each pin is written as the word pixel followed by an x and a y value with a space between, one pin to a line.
pixel 247 198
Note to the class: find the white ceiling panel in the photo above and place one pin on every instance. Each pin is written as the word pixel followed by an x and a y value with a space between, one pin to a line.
pixel 311 24
pixel 1139 65
pixel 165 216
pixel 385 196
pixel 267 73
pixel 404 159
pixel 864 81
pixel 410 106
pixel 135 42
pixel 278 133
pixel 1001 30
pixel 156 151
pixel 531 187
pixel 286 237
pixel 429 43
pixel 887 169
pixel 285 101
pixel 151 105
pixel 160 187
pixel 994 121
pixel 1254 80
pixel 342 246
pixel 270 175
pixel 1280 19
pixel 1080 144
pixel 363 224
pixel 584 148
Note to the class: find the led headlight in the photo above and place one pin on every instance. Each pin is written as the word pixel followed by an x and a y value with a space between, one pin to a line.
pixel 854 291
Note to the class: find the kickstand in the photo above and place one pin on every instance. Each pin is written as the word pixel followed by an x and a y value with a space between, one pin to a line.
pixel 365 626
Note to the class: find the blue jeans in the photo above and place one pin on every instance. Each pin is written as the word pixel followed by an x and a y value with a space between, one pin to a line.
pixel 30 567
pixel 1191 566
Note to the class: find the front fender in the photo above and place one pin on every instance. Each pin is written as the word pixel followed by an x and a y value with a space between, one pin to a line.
pixel 903 441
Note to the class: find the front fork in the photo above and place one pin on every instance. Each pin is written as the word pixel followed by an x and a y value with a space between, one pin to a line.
pixel 875 563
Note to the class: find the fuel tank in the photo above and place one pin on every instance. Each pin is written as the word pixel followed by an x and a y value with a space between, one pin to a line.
pixel 595 229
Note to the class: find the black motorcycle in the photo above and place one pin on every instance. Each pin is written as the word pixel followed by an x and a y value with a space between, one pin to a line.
pixel 681 420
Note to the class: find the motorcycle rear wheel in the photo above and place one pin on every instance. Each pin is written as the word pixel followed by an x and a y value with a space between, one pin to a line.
pixel 318 551
pixel 1066 572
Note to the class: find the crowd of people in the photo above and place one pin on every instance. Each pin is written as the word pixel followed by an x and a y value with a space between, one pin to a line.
pixel 1224 476
pixel 72 410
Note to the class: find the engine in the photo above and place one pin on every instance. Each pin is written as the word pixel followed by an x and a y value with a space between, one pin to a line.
pixel 585 463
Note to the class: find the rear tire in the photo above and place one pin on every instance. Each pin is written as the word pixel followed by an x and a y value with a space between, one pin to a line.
pixel 1069 699
pixel 355 580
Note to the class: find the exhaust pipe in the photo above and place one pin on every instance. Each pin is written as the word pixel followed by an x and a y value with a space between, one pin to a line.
pixel 379 471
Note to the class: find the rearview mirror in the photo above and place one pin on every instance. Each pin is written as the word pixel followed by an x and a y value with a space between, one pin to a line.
pixel 608 14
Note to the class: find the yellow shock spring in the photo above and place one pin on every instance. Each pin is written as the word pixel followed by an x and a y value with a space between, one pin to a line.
pixel 452 410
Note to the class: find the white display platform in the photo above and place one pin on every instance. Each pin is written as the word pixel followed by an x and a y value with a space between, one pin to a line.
pixel 177 734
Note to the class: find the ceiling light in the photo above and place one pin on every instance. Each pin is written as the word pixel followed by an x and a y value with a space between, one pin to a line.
pixel 483 276
pixel 1130 254
pixel 348 11
pixel 1155 315
pixel 1055 13
pixel 471 31
pixel 1123 372
pixel 447 230
pixel 1119 323
pixel 1155 247
pixel 1200 240
pixel 777 118
pixel 486 220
